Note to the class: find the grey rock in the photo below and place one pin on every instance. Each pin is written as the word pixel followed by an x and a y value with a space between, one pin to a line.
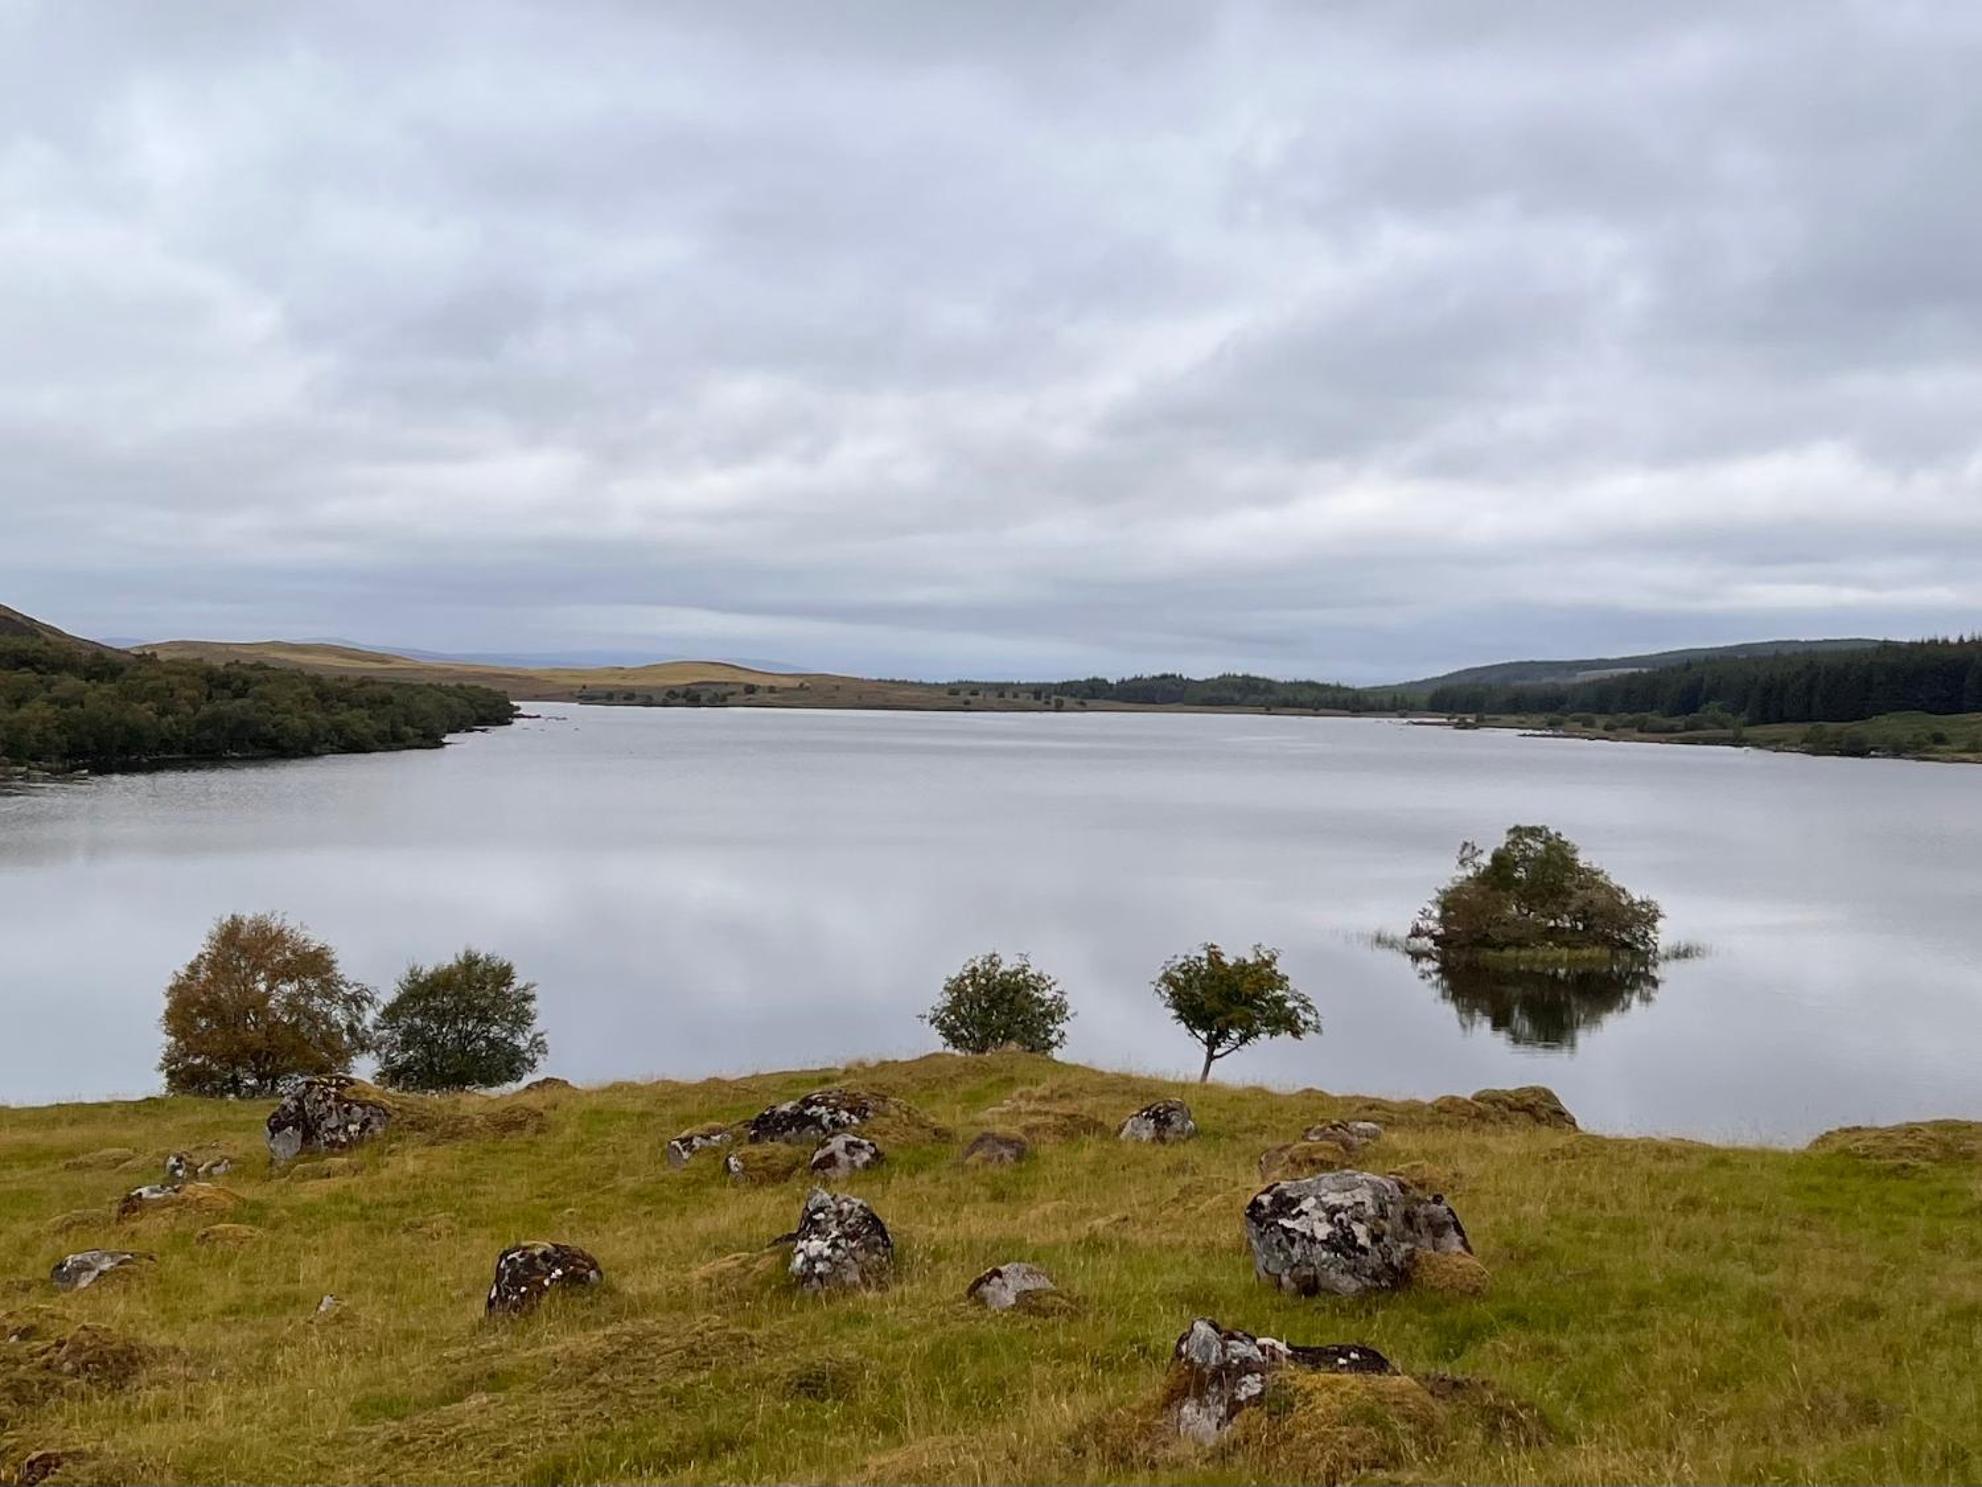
pixel 996 1149
pixel 217 1167
pixel 526 1273
pixel 178 1167
pixel 328 1113
pixel 1225 1371
pixel 812 1118
pixel 1003 1286
pixel 1342 1233
pixel 840 1244
pixel 1364 1130
pixel 80 1271
pixel 328 1305
pixel 701 1138
pixel 843 1155
pixel 138 1199
pixel 1163 1122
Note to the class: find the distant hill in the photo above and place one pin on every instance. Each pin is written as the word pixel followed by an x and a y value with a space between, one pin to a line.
pixel 1595 668
pixel 17 626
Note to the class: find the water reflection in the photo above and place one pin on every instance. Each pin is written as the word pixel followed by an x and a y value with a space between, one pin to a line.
pixel 1537 1008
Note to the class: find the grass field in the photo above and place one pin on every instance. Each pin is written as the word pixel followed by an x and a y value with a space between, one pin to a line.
pixel 1660 1310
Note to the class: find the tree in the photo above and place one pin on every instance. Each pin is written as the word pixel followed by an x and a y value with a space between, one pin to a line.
pixel 260 1002
pixel 1534 893
pixel 467 1024
pixel 989 1004
pixel 1229 1003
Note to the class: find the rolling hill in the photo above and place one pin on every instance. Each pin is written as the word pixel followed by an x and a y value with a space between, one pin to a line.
pixel 1594 668
pixel 17 626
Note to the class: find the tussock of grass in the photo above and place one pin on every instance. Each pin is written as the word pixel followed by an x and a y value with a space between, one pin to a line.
pixel 1658 1310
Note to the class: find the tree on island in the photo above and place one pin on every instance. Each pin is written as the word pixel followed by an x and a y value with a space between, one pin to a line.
pixel 261 1002
pixel 1534 897
pixel 1229 1003
pixel 468 1024
pixel 989 1005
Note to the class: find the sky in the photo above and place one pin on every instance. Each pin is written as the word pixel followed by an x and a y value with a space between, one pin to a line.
pixel 1355 340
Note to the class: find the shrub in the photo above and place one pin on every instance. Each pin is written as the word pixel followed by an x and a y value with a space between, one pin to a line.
pixel 989 1004
pixel 468 1024
pixel 1228 1003
pixel 262 1001
pixel 1535 893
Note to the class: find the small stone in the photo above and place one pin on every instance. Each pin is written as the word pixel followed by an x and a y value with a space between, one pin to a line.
pixel 1163 1122
pixel 1003 1287
pixel 840 1244
pixel 1365 1130
pixel 178 1167
pixel 843 1155
pixel 80 1271
pixel 996 1149
pixel 192 1197
pixel 38 1467
pixel 217 1167
pixel 697 1138
pixel 329 1304
pixel 138 1199
pixel 330 1113
pixel 1219 1372
pixel 526 1273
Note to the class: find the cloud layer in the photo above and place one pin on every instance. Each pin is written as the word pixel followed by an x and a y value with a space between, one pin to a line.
pixel 1353 340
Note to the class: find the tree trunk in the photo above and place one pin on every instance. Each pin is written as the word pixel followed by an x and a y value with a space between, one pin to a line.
pixel 1205 1075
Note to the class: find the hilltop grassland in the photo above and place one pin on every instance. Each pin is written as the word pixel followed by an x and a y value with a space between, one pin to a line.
pixel 1659 1310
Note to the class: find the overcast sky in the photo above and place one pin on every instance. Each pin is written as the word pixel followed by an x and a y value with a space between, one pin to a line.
pixel 1356 340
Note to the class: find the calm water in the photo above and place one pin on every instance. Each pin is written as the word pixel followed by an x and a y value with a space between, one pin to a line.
pixel 711 891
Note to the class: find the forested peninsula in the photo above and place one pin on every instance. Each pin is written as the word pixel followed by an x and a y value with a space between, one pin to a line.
pixel 66 704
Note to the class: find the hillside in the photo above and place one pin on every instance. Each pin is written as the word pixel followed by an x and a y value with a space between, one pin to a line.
pixel 1657 1310
pixel 17 626
pixel 1592 668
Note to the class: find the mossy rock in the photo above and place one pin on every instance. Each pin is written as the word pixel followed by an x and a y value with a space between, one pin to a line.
pixel 1924 1142
pixel 1325 1427
pixel 1302 1159
pixel 1451 1273
pixel 1533 1104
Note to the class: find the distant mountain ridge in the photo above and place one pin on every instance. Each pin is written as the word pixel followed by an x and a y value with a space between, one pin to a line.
pixel 1594 668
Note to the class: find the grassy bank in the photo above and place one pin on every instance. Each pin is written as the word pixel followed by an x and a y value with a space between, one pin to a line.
pixel 1952 738
pixel 1660 1310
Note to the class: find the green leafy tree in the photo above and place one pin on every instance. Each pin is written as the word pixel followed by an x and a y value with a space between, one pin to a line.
pixel 989 1004
pixel 262 1001
pixel 1231 1002
pixel 468 1024
pixel 1535 893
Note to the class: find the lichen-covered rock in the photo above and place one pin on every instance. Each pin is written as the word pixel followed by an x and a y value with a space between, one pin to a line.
pixel 138 1199
pixel 80 1271
pixel 840 1244
pixel 330 1113
pixel 1003 1287
pixel 1165 1121
pixel 810 1119
pixel 843 1155
pixel 696 1139
pixel 1217 1372
pixel 178 1167
pixel 526 1273
pixel 763 1166
pixel 1364 1130
pixel 1301 1159
pixel 1342 1233
pixel 996 1149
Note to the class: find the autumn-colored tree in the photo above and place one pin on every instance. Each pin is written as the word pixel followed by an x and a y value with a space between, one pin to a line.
pixel 1230 1002
pixel 260 1002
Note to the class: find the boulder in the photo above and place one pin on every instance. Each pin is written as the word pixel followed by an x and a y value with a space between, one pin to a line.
pixel 843 1155
pixel 810 1119
pixel 996 1149
pixel 80 1271
pixel 840 1244
pixel 1217 1372
pixel 1003 1287
pixel 526 1273
pixel 1163 1122
pixel 330 1113
pixel 1342 1233
pixel 763 1166
pixel 697 1138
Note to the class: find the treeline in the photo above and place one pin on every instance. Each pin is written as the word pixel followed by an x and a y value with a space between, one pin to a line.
pixel 68 706
pixel 1930 676
pixel 1231 689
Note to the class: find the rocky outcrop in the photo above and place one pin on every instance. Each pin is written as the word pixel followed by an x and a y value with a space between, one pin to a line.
pixel 810 1119
pixel 1163 1122
pixel 1531 1104
pixel 1216 1373
pixel 697 1139
pixel 80 1271
pixel 996 1149
pixel 1342 1233
pixel 843 1155
pixel 1003 1287
pixel 330 1113
pixel 840 1244
pixel 526 1273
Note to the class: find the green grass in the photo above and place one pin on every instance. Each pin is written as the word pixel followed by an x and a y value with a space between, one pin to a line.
pixel 1660 1310
pixel 1948 738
